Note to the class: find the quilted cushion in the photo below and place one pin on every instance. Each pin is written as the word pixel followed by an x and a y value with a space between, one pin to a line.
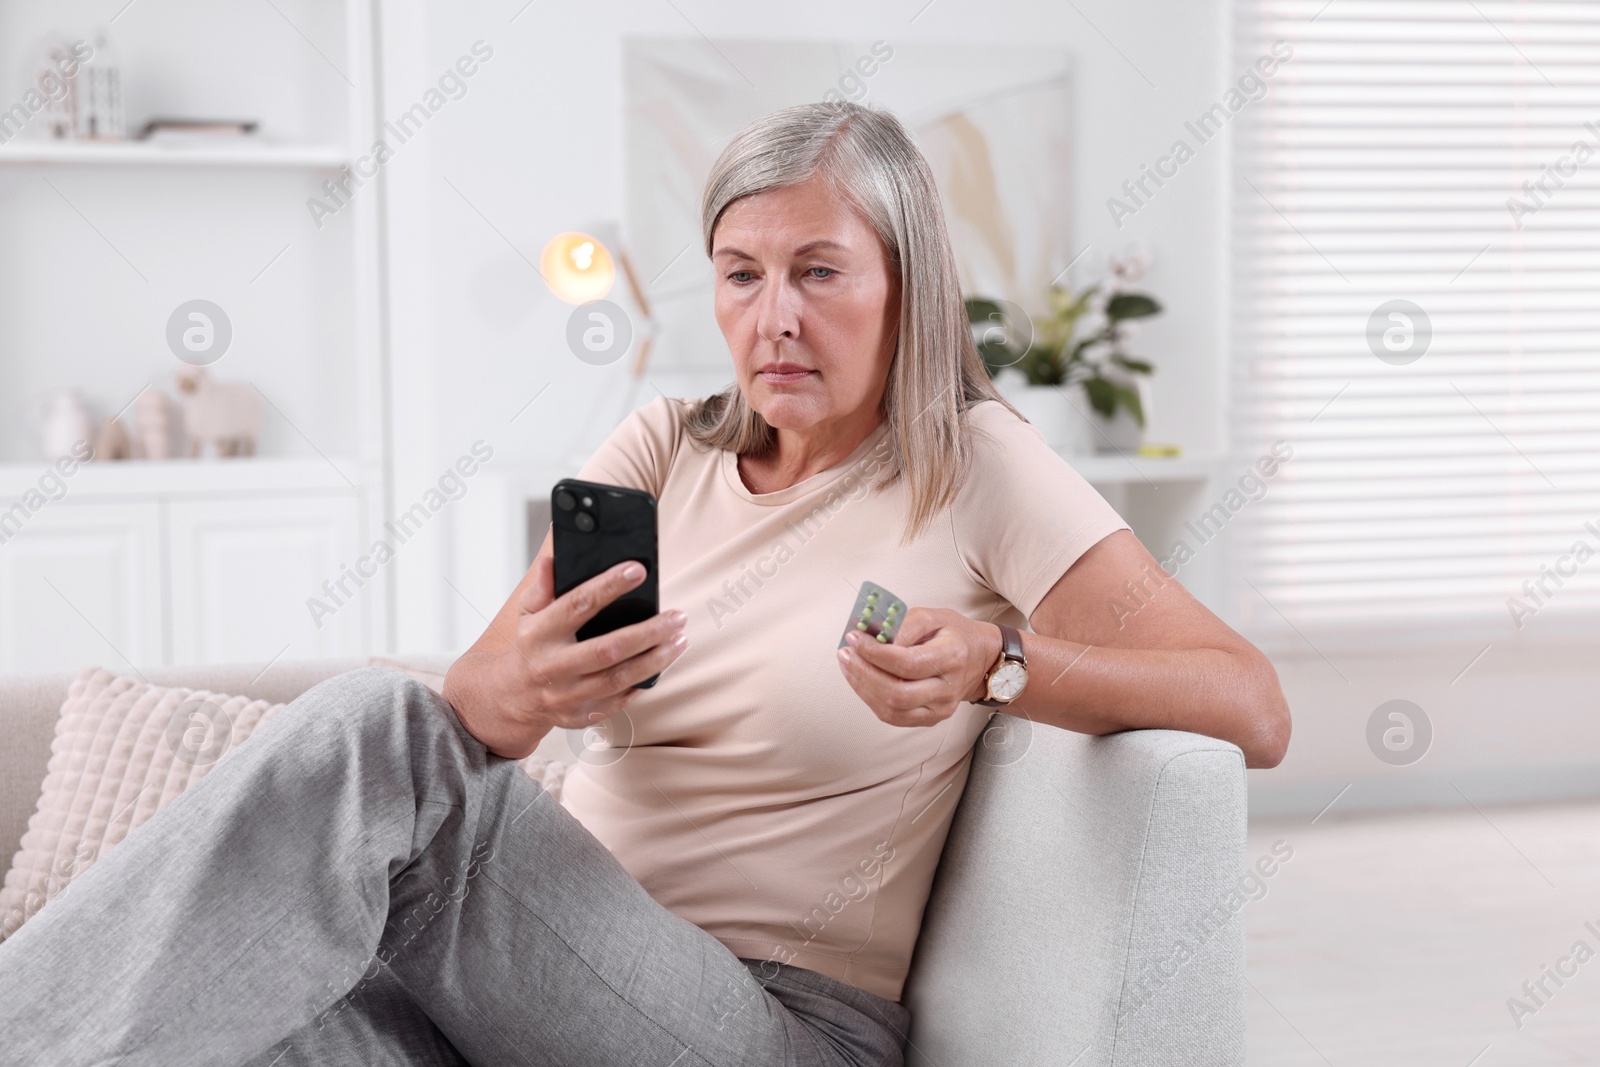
pixel 122 749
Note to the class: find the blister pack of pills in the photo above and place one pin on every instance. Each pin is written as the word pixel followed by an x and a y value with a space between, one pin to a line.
pixel 878 614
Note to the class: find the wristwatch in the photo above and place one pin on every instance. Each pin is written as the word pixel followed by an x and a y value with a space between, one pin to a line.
pixel 1010 673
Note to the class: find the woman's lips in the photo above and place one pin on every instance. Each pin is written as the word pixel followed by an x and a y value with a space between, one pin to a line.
pixel 786 377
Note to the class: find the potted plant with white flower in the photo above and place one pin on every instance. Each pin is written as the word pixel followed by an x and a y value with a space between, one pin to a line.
pixel 1074 365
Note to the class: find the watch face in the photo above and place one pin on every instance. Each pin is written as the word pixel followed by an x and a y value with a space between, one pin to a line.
pixel 1007 680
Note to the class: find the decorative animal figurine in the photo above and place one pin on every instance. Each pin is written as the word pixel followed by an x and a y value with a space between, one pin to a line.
pixel 223 417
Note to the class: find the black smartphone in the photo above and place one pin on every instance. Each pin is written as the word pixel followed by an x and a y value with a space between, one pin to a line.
pixel 595 527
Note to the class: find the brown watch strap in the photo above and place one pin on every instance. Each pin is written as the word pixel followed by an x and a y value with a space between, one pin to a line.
pixel 1011 644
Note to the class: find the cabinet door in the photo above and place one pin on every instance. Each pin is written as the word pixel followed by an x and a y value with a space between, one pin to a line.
pixel 248 579
pixel 80 585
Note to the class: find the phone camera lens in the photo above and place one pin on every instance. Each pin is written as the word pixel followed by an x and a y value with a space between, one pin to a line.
pixel 584 522
pixel 566 501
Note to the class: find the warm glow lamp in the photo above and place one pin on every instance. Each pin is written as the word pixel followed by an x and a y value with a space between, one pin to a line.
pixel 577 267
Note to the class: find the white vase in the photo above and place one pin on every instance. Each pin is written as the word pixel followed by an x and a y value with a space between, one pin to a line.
pixel 65 424
pixel 1060 414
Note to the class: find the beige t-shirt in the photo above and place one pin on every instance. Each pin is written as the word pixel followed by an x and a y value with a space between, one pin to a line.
pixel 751 791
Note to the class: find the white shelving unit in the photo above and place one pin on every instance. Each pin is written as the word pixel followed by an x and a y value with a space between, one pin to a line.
pixel 248 152
pixel 146 563
pixel 194 477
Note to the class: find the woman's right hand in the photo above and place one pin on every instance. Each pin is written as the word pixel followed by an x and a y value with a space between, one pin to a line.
pixel 529 673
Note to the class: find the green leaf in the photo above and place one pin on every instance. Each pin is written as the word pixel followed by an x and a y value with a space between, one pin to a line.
pixel 1138 366
pixel 1130 400
pixel 1078 350
pixel 981 310
pixel 997 357
pixel 1068 305
pixel 1131 306
pixel 1102 396
pixel 1041 366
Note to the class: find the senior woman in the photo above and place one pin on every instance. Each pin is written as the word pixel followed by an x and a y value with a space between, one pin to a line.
pixel 740 879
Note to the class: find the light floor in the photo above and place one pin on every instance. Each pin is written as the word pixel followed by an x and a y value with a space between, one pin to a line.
pixel 1398 938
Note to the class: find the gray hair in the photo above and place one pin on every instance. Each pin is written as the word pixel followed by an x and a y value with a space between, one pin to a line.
pixel 866 156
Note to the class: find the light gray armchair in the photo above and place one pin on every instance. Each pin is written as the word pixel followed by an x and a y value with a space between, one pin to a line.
pixel 1086 906
pixel 1076 872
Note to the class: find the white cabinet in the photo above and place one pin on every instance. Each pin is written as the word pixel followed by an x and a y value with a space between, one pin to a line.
pixel 251 578
pixel 151 564
pixel 82 583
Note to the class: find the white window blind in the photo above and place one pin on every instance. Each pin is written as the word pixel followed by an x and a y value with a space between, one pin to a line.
pixel 1387 162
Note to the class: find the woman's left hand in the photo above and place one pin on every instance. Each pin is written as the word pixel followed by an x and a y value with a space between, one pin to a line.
pixel 938 660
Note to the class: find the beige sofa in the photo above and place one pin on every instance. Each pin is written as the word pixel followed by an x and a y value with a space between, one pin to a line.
pixel 1082 909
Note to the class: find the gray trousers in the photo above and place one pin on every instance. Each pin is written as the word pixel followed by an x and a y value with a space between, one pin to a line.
pixel 362 882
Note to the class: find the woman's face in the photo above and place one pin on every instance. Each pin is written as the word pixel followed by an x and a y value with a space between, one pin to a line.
pixel 809 304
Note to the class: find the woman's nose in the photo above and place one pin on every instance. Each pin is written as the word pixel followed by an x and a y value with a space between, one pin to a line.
pixel 778 314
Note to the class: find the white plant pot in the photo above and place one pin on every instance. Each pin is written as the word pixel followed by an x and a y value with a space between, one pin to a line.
pixel 1122 433
pixel 1060 414
pixel 1118 435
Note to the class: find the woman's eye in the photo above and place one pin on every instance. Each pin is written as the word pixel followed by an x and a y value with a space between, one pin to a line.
pixel 739 275
pixel 826 271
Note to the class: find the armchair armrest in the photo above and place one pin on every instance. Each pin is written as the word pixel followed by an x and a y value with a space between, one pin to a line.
pixel 1086 908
